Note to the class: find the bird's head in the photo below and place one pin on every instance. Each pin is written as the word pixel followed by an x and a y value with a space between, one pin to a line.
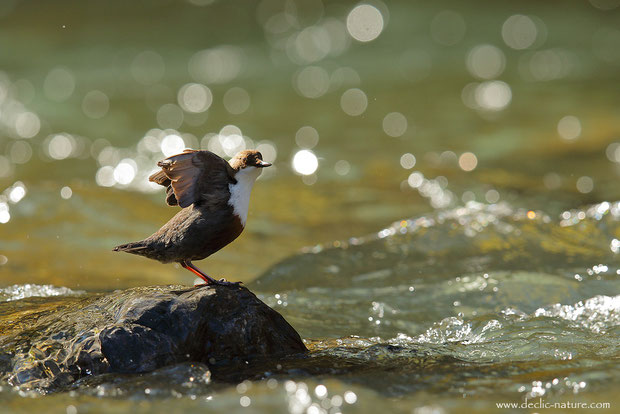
pixel 248 158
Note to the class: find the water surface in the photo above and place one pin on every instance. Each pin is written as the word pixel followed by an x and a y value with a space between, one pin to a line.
pixel 487 133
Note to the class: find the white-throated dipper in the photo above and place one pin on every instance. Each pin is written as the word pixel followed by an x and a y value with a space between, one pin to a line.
pixel 214 197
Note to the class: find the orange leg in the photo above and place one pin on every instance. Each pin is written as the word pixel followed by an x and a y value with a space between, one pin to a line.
pixel 189 266
pixel 208 279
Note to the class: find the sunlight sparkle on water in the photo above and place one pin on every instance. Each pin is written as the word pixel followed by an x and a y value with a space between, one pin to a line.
pixel 66 192
pixel 312 82
pixel 268 150
pixel 60 146
pixel 231 140
pixel 5 216
pixel 585 184
pixel 95 104
pixel 354 102
pixel 105 176
pixel 365 23
pixel 59 84
pixel 468 161
pixel 27 125
pixel 342 167
pixel 5 166
pixel 17 192
pixel 493 95
pixel 486 61
pixel 569 127
pixel 236 100
pixel 170 116
pixel 172 144
pixel 195 97
pixel 395 124
pixel 519 32
pixel 407 161
pixel 245 401
pixel 217 65
pixel 350 397
pixel 305 162
pixel 20 152
pixel 307 137
pixel 492 196
pixel 125 171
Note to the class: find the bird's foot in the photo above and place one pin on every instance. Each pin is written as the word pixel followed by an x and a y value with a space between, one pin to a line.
pixel 221 282
pixel 225 282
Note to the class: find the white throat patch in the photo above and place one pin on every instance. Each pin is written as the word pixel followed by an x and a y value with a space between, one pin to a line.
pixel 240 192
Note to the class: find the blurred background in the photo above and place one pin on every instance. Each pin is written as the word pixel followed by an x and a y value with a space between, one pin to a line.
pixel 441 223
pixel 372 112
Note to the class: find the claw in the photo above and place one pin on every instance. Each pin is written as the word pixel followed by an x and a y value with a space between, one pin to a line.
pixel 224 282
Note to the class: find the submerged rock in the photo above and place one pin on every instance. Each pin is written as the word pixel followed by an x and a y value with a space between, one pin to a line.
pixel 137 330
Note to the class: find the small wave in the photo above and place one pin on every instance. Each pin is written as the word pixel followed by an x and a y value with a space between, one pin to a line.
pixel 28 290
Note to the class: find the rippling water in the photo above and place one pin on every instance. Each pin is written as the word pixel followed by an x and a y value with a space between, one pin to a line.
pixel 488 134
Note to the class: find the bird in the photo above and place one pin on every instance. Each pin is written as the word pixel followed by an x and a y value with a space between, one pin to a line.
pixel 214 197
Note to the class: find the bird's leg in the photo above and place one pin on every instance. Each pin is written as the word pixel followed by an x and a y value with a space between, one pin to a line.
pixel 189 266
pixel 208 279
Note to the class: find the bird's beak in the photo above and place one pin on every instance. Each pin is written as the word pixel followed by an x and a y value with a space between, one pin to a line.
pixel 263 164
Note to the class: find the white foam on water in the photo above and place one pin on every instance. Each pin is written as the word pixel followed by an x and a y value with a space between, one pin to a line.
pixel 17 292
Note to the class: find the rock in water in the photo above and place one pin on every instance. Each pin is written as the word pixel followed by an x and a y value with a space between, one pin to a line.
pixel 138 330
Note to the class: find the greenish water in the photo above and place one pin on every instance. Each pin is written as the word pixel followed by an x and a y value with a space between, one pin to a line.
pixel 487 132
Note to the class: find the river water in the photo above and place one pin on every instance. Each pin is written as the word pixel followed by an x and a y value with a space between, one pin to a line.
pixel 440 225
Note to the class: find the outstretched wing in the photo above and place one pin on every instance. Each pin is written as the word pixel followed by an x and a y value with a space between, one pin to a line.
pixel 192 175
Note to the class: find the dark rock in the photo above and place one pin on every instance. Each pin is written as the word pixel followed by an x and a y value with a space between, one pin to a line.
pixel 140 330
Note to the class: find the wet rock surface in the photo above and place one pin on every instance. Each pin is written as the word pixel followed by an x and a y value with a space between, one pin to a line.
pixel 50 346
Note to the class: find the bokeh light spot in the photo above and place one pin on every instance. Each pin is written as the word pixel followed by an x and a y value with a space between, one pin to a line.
pixel 268 150
pixel 27 125
pixel 5 166
pixel 305 162
pixel 307 137
pixel 66 192
pixel 585 184
pixel 195 97
pixel 170 116
pixel 395 124
pixel 95 104
pixel 407 161
pixel 5 216
pixel 354 102
pixel 125 171
pixel 20 152
pixel 519 32
pixel 493 95
pixel 60 146
pixel 486 62
pixel 492 196
pixel 219 65
pixel 365 23
pixel 468 161
pixel 17 192
pixel 569 127
pixel 105 176
pixel 312 82
pixel 59 84
pixel 236 100
pixel 172 144
pixel 342 167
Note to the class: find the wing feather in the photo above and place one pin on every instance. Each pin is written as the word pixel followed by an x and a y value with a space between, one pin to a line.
pixel 191 176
